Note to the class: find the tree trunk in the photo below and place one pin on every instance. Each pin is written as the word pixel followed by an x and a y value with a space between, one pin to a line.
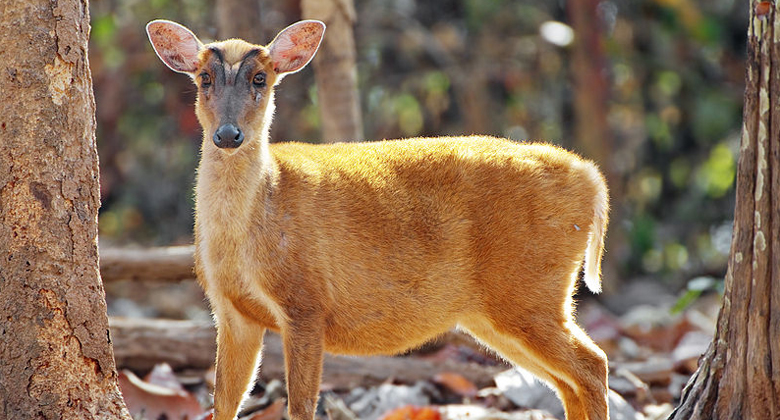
pixel 238 19
pixel 593 137
pixel 55 349
pixel 739 375
pixel 335 70
pixel 591 91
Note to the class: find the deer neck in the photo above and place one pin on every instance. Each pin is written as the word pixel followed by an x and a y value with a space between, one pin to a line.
pixel 233 190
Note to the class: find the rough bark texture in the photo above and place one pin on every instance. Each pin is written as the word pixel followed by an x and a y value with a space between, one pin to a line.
pixel 739 375
pixel 57 361
pixel 142 343
pixel 335 70
pixel 238 19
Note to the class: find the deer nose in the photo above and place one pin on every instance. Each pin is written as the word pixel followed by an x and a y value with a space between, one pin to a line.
pixel 228 136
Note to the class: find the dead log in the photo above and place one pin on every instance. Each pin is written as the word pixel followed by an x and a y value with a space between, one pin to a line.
pixel 163 264
pixel 139 344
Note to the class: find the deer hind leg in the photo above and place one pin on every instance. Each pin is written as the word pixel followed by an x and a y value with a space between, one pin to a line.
pixel 560 354
pixel 512 350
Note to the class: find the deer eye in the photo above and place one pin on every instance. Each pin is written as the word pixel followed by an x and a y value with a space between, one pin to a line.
pixel 205 80
pixel 259 80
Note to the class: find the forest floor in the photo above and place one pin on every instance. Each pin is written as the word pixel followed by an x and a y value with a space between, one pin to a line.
pixel 652 349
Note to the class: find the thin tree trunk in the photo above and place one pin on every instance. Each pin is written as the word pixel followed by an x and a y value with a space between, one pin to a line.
pixel 335 70
pixel 593 137
pixel 591 91
pixel 55 349
pixel 238 19
pixel 739 376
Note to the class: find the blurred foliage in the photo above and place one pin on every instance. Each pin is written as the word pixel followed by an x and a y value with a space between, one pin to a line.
pixel 695 287
pixel 439 67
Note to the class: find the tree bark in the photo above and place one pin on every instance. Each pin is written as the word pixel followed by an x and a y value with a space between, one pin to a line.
pixel 55 348
pixel 335 70
pixel 739 375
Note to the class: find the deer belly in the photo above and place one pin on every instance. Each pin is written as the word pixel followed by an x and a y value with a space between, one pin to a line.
pixel 379 331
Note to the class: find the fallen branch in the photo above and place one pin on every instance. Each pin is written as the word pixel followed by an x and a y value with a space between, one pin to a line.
pixel 163 264
pixel 139 344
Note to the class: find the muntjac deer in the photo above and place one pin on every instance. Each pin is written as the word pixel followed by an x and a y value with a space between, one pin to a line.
pixel 378 247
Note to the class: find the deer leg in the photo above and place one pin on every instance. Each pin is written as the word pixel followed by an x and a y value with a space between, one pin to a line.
pixel 238 355
pixel 513 351
pixel 578 366
pixel 558 355
pixel 303 352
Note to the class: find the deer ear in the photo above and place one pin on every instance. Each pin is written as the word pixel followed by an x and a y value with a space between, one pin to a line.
pixel 295 46
pixel 176 45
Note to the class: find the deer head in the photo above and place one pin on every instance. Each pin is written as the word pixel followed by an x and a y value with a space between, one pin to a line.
pixel 235 79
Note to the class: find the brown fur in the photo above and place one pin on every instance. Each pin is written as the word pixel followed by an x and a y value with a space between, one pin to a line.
pixel 377 247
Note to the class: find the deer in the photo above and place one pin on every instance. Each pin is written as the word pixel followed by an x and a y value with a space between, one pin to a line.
pixel 378 247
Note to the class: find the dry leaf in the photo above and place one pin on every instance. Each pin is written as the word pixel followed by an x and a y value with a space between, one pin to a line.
pixel 413 413
pixel 274 411
pixel 150 401
pixel 456 383
pixel 162 375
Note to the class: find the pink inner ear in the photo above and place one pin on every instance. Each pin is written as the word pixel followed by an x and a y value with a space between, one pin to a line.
pixel 289 62
pixel 175 45
pixel 295 46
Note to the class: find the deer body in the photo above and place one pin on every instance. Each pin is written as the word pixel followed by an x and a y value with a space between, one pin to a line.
pixel 378 247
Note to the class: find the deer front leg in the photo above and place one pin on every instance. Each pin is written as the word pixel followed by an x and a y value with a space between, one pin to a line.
pixel 238 354
pixel 303 353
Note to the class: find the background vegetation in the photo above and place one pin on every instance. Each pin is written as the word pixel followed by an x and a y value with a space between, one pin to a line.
pixel 675 72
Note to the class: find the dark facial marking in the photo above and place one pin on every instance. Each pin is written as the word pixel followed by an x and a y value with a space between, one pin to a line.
pixel 217 66
pixel 218 53
pixel 235 90
pixel 244 60
pixel 251 53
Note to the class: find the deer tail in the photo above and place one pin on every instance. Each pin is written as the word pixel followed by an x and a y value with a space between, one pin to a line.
pixel 598 230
